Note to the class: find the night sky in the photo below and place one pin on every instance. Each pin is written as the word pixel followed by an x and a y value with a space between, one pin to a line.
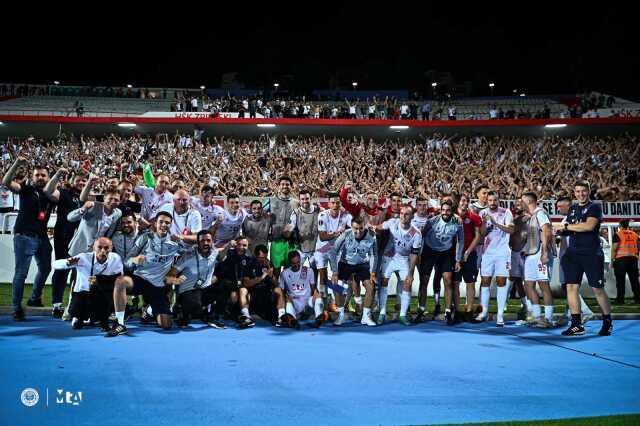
pixel 552 48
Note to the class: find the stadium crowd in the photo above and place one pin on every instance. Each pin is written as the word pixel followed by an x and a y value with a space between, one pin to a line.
pixel 431 166
pixel 124 233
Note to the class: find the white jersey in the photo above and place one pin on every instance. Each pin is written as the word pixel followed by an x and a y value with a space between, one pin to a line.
pixel 88 266
pixel 208 213
pixel 330 224
pixel 6 197
pixel 496 241
pixel 230 226
pixel 151 201
pixel 419 222
pixel 297 285
pixel 405 241
pixel 187 223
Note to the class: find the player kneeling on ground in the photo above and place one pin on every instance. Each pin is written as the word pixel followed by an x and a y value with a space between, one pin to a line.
pixel 97 272
pixel 155 253
pixel 198 290
pixel 301 293
pixel 259 293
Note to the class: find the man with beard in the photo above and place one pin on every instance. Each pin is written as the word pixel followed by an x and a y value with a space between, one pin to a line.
pixel 517 242
pixel 198 290
pixel 300 292
pixel 442 235
pixel 63 233
pixel 30 233
pixel 281 207
pixel 260 293
pixel 152 199
pixel 256 227
pixel 303 227
pixel 471 224
pixel 496 257
pixel 419 221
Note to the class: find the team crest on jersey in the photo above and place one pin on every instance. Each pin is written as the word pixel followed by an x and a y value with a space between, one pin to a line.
pixel 244 262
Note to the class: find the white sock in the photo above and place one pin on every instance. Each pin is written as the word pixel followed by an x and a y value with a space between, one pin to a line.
pixel 317 307
pixel 281 312
pixel 57 305
pixel 548 312
pixel 501 297
pixel 289 309
pixel 366 312
pixel 149 310
pixel 405 299
pixel 120 317
pixel 535 310
pixel 529 305
pixel 584 308
pixel 245 312
pixel 341 311
pixel 358 300
pixel 485 294
pixel 384 294
pixel 421 308
pixel 437 298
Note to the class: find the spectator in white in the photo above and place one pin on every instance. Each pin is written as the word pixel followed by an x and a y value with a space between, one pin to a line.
pixel 187 222
pixel 97 272
pixel 352 108
pixel 452 112
pixel 493 113
pixel 425 110
pixel 404 111
pixel 194 104
pixel 153 199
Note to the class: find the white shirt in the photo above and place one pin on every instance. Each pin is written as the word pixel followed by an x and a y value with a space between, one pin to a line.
pixel 419 222
pixel 6 197
pixel 105 222
pixel 208 213
pixel 112 266
pixel 404 240
pixel 297 284
pixel 189 222
pixel 330 224
pixel 151 201
pixel 496 241
pixel 230 226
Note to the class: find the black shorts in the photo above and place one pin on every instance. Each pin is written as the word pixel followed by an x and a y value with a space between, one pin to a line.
pixel 468 270
pixel 442 261
pixel 574 266
pixel 157 297
pixel 262 302
pixel 358 272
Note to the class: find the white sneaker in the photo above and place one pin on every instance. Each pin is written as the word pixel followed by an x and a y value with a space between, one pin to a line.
pixel 499 321
pixel 339 321
pixel 481 317
pixel 366 320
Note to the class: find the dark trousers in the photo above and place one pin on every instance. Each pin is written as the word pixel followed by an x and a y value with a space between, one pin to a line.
pixel 97 303
pixel 60 276
pixel 622 267
pixel 193 301
pixel 25 248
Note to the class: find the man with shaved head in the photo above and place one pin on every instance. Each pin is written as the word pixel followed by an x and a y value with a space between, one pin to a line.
pixel 187 222
pixel 97 272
